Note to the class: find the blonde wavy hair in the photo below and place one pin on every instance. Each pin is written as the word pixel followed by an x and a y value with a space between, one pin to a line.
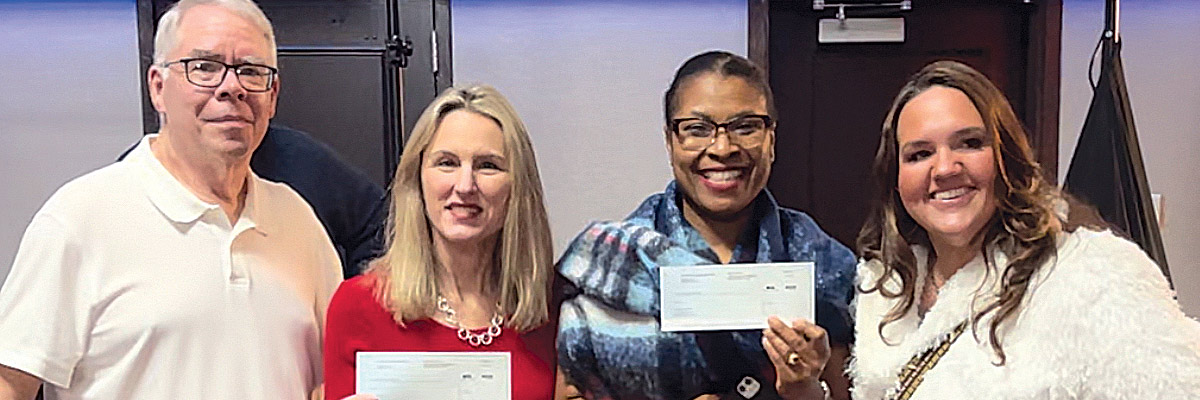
pixel 406 275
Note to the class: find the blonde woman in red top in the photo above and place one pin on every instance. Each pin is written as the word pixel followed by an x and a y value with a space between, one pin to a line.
pixel 469 259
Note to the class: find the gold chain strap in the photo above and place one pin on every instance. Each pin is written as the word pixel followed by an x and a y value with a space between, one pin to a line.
pixel 914 371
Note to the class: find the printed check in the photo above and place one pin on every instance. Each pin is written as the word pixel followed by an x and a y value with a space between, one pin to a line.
pixel 735 296
pixel 400 375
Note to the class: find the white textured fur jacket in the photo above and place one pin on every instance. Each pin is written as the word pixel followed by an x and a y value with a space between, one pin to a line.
pixel 1097 323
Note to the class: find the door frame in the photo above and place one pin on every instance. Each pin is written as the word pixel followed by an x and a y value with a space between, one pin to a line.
pixel 1043 68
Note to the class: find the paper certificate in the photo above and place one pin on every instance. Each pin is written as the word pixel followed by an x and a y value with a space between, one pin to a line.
pixel 396 375
pixel 735 296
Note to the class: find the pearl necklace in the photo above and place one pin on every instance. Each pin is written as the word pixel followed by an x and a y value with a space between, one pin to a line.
pixel 475 339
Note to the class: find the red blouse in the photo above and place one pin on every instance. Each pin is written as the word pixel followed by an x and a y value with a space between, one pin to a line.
pixel 358 322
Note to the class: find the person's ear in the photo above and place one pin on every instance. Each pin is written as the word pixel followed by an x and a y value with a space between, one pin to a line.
pixel 155 81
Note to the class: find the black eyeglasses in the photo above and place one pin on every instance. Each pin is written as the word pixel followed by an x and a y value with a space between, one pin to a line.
pixel 210 74
pixel 698 133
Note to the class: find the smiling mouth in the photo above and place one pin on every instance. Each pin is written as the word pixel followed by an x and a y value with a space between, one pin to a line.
pixel 459 210
pixel 229 119
pixel 722 176
pixel 952 194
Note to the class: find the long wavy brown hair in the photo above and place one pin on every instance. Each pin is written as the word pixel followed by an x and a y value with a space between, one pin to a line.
pixel 1024 227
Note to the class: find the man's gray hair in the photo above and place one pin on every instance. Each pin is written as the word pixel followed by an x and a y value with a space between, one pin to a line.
pixel 167 36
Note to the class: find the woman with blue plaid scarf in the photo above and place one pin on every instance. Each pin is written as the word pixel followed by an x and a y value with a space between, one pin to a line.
pixel 720 121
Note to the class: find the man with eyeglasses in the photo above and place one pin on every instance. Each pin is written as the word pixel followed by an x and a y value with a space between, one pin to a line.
pixel 178 272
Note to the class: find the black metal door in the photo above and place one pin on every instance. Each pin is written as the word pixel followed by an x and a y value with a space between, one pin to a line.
pixel 354 74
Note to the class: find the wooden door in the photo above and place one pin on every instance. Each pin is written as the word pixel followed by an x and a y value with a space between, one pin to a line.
pixel 832 98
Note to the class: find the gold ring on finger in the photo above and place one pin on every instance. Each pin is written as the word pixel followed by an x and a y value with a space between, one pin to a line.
pixel 793 359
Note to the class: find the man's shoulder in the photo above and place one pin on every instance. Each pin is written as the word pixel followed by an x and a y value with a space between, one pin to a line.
pixel 112 185
pixel 281 199
pixel 291 220
pixel 282 207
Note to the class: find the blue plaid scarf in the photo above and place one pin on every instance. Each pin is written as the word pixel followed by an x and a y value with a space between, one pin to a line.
pixel 609 342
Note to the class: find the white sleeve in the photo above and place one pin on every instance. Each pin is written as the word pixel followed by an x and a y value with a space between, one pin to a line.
pixel 44 311
pixel 1140 344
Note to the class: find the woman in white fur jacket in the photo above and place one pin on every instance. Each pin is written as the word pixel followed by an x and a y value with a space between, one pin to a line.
pixel 978 281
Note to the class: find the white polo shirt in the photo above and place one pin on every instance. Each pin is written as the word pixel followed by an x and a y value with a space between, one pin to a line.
pixel 128 286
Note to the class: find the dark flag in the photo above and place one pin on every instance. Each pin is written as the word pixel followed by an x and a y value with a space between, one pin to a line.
pixel 1107 169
